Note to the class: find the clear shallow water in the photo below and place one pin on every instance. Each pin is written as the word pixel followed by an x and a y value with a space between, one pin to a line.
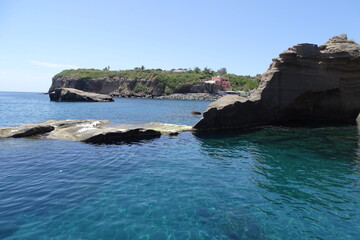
pixel 275 183
pixel 20 108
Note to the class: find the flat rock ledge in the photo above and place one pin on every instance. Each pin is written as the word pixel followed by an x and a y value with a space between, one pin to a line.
pixel 75 95
pixel 92 131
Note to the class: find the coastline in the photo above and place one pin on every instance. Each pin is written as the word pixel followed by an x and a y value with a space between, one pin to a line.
pixel 191 96
pixel 176 96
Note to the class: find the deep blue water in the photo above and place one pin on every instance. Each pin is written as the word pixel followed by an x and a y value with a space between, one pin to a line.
pixel 275 183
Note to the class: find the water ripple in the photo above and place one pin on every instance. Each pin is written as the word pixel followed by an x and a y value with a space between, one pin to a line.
pixel 275 183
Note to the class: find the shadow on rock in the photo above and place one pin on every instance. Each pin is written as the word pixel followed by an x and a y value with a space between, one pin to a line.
pixel 120 137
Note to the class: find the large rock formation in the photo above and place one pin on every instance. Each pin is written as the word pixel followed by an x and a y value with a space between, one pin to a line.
pixel 112 85
pixel 75 95
pixel 305 84
pixel 128 87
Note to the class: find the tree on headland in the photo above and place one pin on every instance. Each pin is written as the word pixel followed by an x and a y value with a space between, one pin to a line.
pixel 106 68
pixel 208 72
pixel 197 70
pixel 221 71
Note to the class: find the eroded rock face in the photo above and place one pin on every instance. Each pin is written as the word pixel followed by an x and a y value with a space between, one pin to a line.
pixel 122 87
pixel 75 95
pixel 113 86
pixel 201 87
pixel 305 84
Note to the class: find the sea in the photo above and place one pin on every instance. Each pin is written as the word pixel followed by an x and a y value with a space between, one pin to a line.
pixel 273 183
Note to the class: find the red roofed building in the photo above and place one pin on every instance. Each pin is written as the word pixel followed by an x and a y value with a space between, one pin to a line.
pixel 221 81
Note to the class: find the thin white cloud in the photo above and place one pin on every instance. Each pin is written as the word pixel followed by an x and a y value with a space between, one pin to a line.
pixel 53 65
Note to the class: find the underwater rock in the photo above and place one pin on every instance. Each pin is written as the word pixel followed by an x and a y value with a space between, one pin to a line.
pixel 195 113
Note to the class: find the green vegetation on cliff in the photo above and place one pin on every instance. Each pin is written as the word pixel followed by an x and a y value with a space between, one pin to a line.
pixel 171 79
pixel 239 82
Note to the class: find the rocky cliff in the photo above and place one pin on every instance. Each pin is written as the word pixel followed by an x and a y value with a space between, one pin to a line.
pixel 305 84
pixel 115 85
pixel 109 85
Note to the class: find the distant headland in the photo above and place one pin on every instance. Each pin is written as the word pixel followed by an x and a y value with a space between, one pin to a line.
pixel 153 83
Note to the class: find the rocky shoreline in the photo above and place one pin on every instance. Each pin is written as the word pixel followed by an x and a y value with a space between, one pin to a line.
pixel 190 96
pixel 305 84
pixel 176 96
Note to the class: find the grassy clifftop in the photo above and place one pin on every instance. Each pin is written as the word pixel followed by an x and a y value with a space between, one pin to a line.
pixel 171 79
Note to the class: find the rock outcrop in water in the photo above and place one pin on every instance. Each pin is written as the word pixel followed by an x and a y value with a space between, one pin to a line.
pixel 27 130
pixel 92 131
pixel 305 84
pixel 75 95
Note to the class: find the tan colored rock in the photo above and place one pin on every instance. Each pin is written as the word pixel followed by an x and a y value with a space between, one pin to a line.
pixel 76 130
pixel 93 131
pixel 166 128
pixel 305 84
pixel 75 95
pixel 27 130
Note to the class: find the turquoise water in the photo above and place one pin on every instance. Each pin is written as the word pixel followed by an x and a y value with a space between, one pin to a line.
pixel 275 183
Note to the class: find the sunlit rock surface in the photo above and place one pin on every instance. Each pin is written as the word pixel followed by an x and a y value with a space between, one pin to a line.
pixel 75 95
pixel 92 131
pixel 305 84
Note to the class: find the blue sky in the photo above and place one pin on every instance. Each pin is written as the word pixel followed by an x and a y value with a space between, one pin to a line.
pixel 41 38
